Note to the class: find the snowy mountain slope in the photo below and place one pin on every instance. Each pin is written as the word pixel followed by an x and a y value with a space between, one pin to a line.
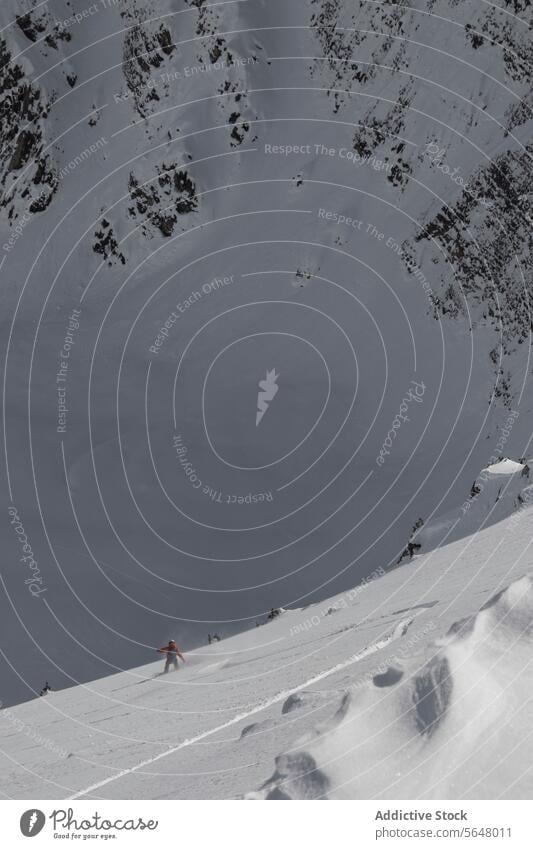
pixel 224 189
pixel 498 492
pixel 457 727
pixel 413 685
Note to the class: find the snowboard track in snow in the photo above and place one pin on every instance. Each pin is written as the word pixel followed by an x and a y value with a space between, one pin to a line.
pixel 399 631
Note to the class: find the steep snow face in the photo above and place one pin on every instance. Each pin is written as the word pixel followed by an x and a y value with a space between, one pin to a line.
pixel 414 685
pixel 474 161
pixel 501 490
pixel 195 196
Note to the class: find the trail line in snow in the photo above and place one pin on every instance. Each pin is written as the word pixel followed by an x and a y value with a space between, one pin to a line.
pixel 399 631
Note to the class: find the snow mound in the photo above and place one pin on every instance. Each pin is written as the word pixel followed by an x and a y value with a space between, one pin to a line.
pixel 295 701
pixel 451 729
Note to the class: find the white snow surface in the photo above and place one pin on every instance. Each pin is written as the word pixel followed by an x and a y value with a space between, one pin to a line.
pixel 416 684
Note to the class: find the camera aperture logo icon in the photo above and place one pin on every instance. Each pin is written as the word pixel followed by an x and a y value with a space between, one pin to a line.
pixel 268 389
pixel 32 822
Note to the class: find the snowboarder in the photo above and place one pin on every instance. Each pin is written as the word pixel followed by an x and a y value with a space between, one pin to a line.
pixel 409 551
pixel 46 689
pixel 172 653
pixel 216 637
pixel 525 471
pixel 273 613
pixel 209 639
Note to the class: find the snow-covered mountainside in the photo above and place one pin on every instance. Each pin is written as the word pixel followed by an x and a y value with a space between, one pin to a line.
pixel 416 684
pixel 264 306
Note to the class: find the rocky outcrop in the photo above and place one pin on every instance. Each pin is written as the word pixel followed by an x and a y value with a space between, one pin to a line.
pixel 28 175
pixel 162 200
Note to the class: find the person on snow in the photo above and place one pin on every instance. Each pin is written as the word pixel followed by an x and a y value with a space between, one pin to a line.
pixel 46 689
pixel 409 551
pixel 172 653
